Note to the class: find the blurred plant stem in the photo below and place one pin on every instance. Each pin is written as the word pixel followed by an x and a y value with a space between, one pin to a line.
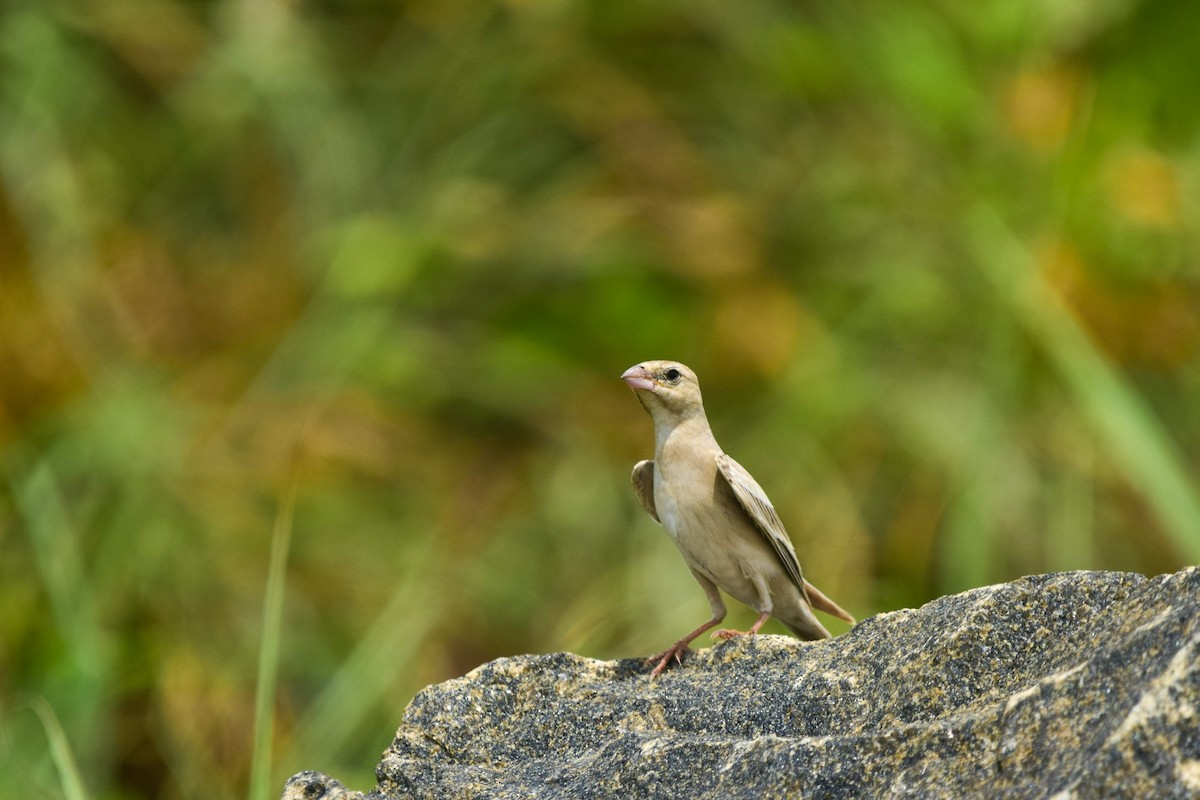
pixel 268 657
pixel 1142 449
pixel 60 751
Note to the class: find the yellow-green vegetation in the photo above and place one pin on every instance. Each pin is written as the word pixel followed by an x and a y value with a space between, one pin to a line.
pixel 360 278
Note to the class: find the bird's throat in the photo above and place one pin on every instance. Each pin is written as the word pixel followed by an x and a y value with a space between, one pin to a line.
pixel 692 429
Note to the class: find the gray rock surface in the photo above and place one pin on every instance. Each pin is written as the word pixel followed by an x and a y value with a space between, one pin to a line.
pixel 1070 685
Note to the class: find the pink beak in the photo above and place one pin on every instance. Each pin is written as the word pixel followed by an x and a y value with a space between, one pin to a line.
pixel 638 379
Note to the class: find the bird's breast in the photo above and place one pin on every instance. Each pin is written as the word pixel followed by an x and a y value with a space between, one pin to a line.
pixel 684 498
pixel 712 532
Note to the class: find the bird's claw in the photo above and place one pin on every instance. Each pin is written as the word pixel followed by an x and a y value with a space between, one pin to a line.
pixel 725 634
pixel 675 653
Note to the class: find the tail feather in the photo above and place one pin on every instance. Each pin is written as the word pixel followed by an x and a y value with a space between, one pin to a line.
pixel 823 603
pixel 811 630
pixel 801 621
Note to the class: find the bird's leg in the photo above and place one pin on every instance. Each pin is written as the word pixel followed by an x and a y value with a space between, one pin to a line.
pixel 765 606
pixel 728 633
pixel 675 652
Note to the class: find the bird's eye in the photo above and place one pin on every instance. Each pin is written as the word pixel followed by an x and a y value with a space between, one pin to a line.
pixel 673 375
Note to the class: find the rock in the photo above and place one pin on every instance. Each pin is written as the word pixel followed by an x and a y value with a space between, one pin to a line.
pixel 1070 685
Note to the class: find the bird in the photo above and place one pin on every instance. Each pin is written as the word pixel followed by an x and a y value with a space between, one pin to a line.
pixel 719 518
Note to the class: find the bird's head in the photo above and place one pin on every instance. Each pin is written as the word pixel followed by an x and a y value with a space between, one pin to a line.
pixel 667 389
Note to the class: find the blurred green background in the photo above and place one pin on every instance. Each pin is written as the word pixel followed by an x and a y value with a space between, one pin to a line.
pixel 935 262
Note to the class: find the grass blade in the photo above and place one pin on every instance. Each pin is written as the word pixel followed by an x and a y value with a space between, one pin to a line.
pixel 60 752
pixel 1140 445
pixel 268 657
pixel 390 645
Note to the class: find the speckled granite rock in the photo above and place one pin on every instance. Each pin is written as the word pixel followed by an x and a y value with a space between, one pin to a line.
pixel 1072 685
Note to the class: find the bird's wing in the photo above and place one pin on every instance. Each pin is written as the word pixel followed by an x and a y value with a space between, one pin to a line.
pixel 643 487
pixel 755 503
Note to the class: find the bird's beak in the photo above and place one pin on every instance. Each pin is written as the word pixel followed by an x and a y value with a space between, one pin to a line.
pixel 638 379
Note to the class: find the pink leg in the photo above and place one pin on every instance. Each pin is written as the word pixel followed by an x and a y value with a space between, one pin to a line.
pixel 675 652
pixel 764 599
pixel 727 633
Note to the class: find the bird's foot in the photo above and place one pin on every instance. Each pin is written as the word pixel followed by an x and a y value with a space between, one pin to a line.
pixel 675 653
pixel 725 634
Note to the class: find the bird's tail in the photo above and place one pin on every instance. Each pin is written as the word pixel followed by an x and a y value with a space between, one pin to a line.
pixel 808 628
pixel 801 620
pixel 823 603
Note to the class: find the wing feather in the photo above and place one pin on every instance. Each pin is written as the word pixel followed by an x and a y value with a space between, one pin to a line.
pixel 643 487
pixel 755 503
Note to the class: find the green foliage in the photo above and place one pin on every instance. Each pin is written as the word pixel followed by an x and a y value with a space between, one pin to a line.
pixel 936 266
